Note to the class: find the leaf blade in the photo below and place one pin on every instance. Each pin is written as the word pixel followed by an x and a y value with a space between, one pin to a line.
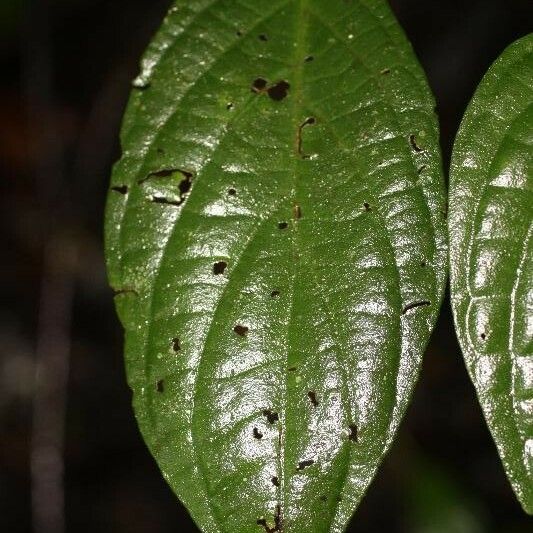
pixel 264 403
pixel 490 220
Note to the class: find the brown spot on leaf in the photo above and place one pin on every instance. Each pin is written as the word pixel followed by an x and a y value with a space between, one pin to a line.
pixel 163 173
pixel 414 145
pixel 259 85
pixel 219 267
pixel 165 201
pixel 414 305
pixel 307 122
pixel 184 185
pixel 125 290
pixel 271 416
pixel 279 90
pixel 277 522
pixel 305 464
pixel 312 397
pixel 241 330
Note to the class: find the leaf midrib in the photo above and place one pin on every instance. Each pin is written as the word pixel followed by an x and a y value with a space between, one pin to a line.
pixel 301 23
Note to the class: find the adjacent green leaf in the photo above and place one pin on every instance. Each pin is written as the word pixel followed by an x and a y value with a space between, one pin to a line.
pixel 491 214
pixel 276 236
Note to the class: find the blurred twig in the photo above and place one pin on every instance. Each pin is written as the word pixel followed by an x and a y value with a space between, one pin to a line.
pixel 57 283
pixel 50 396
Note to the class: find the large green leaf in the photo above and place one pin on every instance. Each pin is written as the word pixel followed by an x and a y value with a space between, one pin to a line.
pixel 276 237
pixel 491 213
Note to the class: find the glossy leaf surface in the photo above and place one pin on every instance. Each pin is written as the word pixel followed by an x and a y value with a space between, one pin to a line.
pixel 491 213
pixel 276 237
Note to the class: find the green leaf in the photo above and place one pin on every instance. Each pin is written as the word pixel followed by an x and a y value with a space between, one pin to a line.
pixel 275 233
pixel 491 213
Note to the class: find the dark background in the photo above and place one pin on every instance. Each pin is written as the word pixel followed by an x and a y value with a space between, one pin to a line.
pixel 66 67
